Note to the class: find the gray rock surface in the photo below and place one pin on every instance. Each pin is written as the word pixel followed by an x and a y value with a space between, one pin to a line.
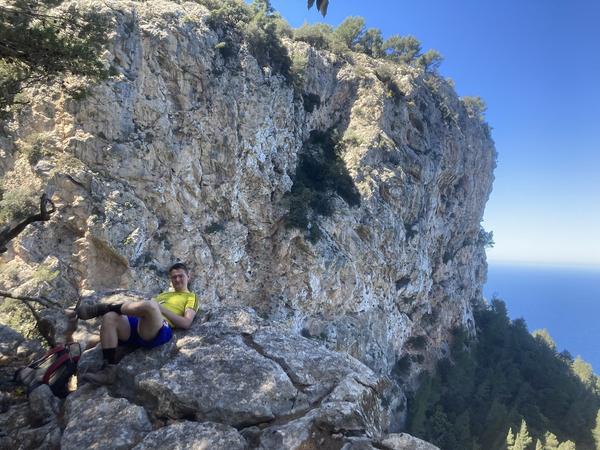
pixel 187 154
pixel 193 435
pixel 163 162
pixel 43 405
pixel 96 420
pixel 403 441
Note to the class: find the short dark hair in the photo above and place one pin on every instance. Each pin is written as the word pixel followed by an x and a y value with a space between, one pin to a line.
pixel 179 265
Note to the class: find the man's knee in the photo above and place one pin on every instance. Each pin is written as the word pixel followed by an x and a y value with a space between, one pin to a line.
pixel 148 308
pixel 110 319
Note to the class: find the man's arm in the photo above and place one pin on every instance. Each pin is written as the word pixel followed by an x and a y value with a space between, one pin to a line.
pixel 183 322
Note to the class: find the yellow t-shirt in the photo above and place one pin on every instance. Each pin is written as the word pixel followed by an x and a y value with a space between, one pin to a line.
pixel 178 302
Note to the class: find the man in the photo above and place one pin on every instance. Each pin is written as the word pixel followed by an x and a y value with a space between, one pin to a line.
pixel 146 324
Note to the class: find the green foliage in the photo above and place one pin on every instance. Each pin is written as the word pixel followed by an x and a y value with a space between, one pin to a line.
pixel 403 49
pixel 522 439
pixel 485 238
pixel 14 314
pixel 350 31
pixel 371 43
pixel 550 441
pixel 321 5
pixel 320 174
pixel 37 43
pixel 228 14
pixel 261 27
pixel 567 445
pixel 215 227
pixel 430 61
pixel 298 70
pixel 319 35
pixel 36 146
pixel 543 336
pixel 596 431
pixel 351 35
pixel 16 205
pixel 416 342
pixel 475 107
pixel 584 371
pixel 385 74
pixel 504 379
pixel 44 274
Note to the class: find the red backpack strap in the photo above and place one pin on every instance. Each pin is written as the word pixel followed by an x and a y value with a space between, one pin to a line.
pixel 59 362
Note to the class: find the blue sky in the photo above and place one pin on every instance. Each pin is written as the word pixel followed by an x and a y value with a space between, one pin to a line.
pixel 536 63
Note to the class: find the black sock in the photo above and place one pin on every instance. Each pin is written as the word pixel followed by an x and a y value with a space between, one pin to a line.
pixel 115 307
pixel 110 355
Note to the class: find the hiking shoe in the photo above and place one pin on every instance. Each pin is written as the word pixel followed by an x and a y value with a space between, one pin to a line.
pixel 88 311
pixel 106 375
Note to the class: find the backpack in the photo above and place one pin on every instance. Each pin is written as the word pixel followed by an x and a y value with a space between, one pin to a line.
pixel 54 368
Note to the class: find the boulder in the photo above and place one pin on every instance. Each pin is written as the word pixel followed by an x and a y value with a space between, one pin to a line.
pixel 96 420
pixel 193 435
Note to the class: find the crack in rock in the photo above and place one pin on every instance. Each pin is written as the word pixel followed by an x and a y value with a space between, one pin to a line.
pixel 249 341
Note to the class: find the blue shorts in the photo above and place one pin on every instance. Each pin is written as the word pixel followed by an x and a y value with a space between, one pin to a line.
pixel 164 335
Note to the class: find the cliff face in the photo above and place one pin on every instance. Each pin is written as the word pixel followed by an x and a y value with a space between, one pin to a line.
pixel 188 153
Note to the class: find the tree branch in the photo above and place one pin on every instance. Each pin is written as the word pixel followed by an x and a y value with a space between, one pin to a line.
pixel 46 302
pixel 46 209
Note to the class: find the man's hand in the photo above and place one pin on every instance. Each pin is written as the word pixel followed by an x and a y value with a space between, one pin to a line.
pixel 183 322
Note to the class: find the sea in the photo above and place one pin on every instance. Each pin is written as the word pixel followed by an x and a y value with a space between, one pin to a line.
pixel 563 299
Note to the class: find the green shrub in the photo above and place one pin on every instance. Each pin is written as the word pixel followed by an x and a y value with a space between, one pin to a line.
pixel 403 49
pixel 36 147
pixel 298 70
pixel 229 14
pixel 416 342
pixel 320 174
pixel 430 61
pixel 485 238
pixel 215 227
pixel 371 43
pixel 310 102
pixel 38 45
pixel 16 205
pixel 475 107
pixel 385 74
pixel 350 31
pixel 319 35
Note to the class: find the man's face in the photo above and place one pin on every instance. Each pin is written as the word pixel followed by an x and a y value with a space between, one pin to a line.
pixel 179 280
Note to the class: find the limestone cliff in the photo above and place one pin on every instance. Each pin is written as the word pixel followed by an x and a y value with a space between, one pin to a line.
pixel 188 153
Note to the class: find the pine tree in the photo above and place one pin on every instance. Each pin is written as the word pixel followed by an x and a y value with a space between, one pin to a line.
pixel 583 370
pixel 538 445
pixel 510 440
pixel 567 445
pixel 550 441
pixel 596 431
pixel 38 42
pixel 350 31
pixel 522 439
pixel 543 336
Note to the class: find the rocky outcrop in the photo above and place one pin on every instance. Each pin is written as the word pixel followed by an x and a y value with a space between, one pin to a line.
pixel 190 153
pixel 234 380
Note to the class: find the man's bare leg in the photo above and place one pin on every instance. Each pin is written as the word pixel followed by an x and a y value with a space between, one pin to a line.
pixel 151 319
pixel 115 327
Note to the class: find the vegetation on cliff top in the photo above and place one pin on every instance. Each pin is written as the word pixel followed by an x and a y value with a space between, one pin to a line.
pixel 509 389
pixel 37 44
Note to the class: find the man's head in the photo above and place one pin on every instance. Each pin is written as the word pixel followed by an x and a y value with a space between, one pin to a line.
pixel 180 277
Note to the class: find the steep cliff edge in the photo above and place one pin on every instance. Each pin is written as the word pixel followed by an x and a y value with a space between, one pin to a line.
pixel 191 152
